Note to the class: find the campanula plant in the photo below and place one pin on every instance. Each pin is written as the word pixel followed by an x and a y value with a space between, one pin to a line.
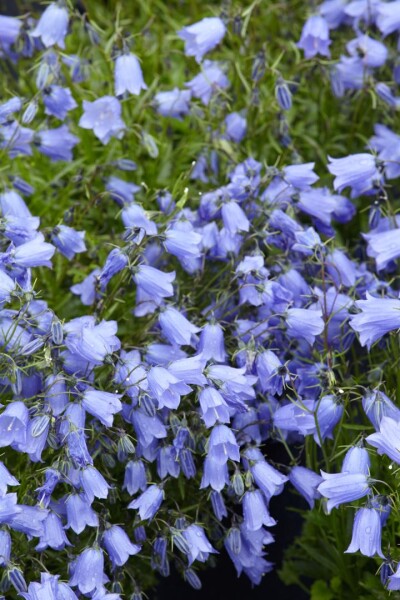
pixel 199 295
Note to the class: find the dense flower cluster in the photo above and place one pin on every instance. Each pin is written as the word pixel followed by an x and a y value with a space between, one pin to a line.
pixel 144 435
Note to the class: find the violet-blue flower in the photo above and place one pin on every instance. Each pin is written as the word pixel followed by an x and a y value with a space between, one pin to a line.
pixel 173 103
pixel 378 317
pixel 148 502
pixel 103 116
pixel 367 531
pixel 102 405
pixel 58 101
pixel 208 82
pixel 88 570
pixel 360 172
pixel 68 241
pixel 315 37
pixel 128 75
pixel 340 488
pixel 118 545
pixel 203 36
pixel 52 26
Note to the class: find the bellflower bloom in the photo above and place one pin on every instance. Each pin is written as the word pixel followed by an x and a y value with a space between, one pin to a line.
pixel 215 474
pixel 79 513
pixel 118 545
pixel 183 243
pixel 356 460
pixel 255 511
pixel 13 424
pixel 300 176
pixel 115 262
pixel 135 477
pixel 213 407
pixel 384 246
pixel 88 570
pixel 9 31
pixel 378 316
pixel 388 17
pixel 367 531
pixel 306 483
pixel 268 479
pixel 87 288
pixel 377 405
pixel 93 483
pixel 199 546
pixel 128 75
pixel 149 502
pixel 102 405
pixel 234 218
pixel 315 37
pixel 54 534
pixel 372 52
pixel 58 101
pixel 304 323
pixel 212 345
pixel 57 143
pixel 174 103
pixel 235 127
pixel 153 282
pixel 68 241
pixel 167 388
pixel 103 116
pixel 340 488
pixel 203 36
pixel 52 26
pixel 358 171
pixel 176 328
pixel 210 80
pixel 386 441
pixel 222 445
pixel 35 253
pixel 123 192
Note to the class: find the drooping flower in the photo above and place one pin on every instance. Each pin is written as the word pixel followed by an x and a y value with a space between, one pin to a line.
pixel 304 323
pixel 315 37
pixel 376 405
pixel 176 327
pixel 58 101
pixel 153 282
pixel 102 405
pixel 128 75
pixel 208 82
pixel 340 488
pixel 167 388
pixel 173 103
pixel 255 511
pixel 88 570
pixel 386 441
pixel 118 545
pixel 68 241
pixel 378 316
pixel 52 26
pixel 203 36
pixel 198 544
pixel 367 531
pixel 148 502
pixel 360 172
pixel 306 482
pixel 384 246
